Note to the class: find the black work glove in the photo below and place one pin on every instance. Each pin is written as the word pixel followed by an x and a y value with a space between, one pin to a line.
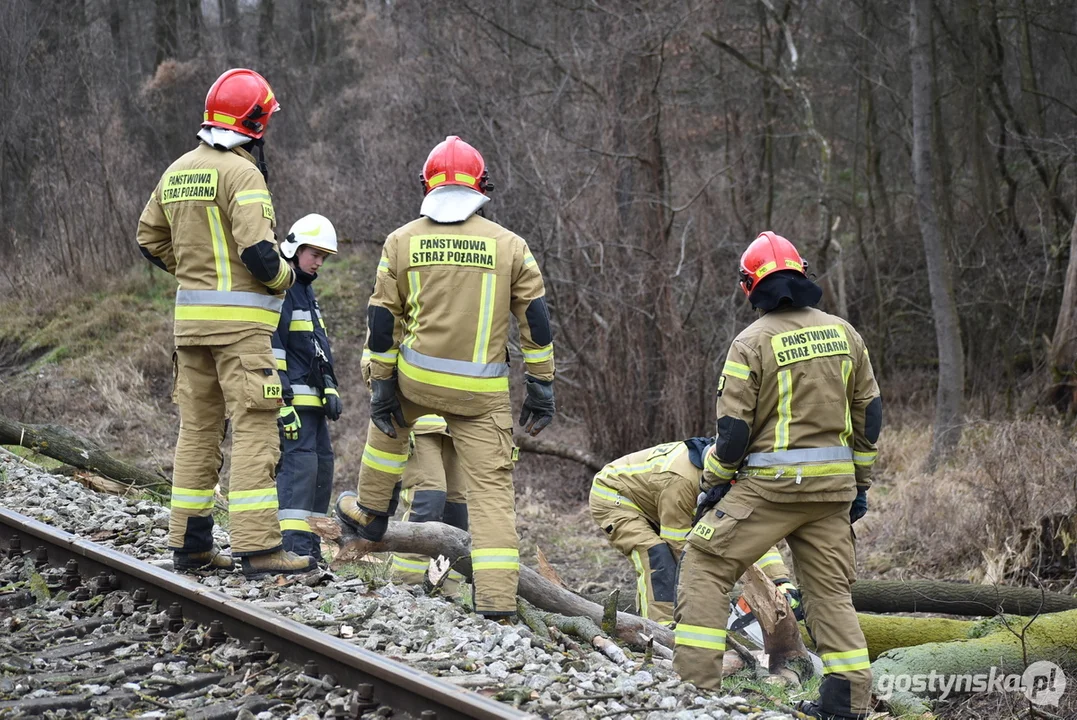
pixel 706 500
pixel 860 505
pixel 539 407
pixel 792 594
pixel 331 399
pixel 385 406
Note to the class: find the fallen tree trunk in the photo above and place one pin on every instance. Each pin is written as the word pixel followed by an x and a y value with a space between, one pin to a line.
pixel 950 598
pixel 61 444
pixel 433 539
pixel 997 648
pixel 568 452
pixel 887 632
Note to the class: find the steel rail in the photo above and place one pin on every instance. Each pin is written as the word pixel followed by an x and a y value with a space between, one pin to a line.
pixel 405 689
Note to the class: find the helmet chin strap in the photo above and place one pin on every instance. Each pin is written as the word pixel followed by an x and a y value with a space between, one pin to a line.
pixel 256 147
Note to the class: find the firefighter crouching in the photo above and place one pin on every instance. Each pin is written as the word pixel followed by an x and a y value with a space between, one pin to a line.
pixel 433 489
pixel 210 223
pixel 645 502
pixel 305 365
pixel 799 413
pixel 438 325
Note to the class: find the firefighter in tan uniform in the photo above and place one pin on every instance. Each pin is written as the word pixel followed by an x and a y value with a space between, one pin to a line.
pixel 644 502
pixel 433 489
pixel 210 223
pixel 799 414
pixel 438 326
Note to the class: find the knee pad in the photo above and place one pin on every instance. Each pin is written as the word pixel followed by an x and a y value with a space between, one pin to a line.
pixel 456 515
pixel 663 572
pixel 427 506
pixel 393 502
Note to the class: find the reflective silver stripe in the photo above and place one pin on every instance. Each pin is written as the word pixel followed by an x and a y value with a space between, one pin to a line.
pixel 300 314
pixel 304 390
pixel 252 500
pixel 456 367
pixel 293 514
pixel 280 353
pixel 317 514
pixel 836 453
pixel 229 297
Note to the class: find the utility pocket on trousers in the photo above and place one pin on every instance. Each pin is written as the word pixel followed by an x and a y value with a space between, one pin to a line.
pixel 175 377
pixel 264 390
pixel 509 451
pixel 715 530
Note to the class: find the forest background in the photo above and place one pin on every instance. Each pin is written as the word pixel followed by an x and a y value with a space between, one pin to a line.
pixel 920 154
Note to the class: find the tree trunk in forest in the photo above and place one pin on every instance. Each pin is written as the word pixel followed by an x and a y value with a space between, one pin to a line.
pixel 61 444
pixel 949 399
pixel 433 539
pixel 233 33
pixel 1062 356
pixel 165 19
pixel 996 648
pixel 936 596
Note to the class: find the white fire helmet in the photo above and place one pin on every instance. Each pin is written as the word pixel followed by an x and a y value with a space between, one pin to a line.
pixel 314 230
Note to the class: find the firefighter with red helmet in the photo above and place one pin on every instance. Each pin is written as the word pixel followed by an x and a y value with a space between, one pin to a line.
pixel 437 333
pixel 210 222
pixel 799 414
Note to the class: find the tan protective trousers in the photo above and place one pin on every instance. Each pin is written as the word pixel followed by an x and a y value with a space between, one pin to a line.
pixel 654 560
pixel 720 548
pixel 434 490
pixel 212 383
pixel 484 446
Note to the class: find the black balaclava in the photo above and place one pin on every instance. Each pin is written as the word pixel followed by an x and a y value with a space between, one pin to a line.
pixel 786 288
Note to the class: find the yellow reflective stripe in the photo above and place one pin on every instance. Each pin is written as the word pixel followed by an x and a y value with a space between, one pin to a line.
pixel 409 566
pixel 495 559
pixel 190 499
pixel 388 357
pixel 465 178
pixel 675 534
pixel 436 180
pixel 283 273
pixel 301 326
pixel 715 467
pixel 383 265
pixel 741 372
pixel 605 493
pixel 330 391
pixel 306 401
pixel 298 525
pixel 387 462
pixel 699 636
pixel 457 576
pixel 846 372
pixel 865 459
pixel 221 118
pixel 785 410
pixel 486 316
pixel 542 354
pixel 847 661
pixel 244 500
pixel 414 287
pixel 453 382
pixel 428 422
pixel 802 470
pixel 250 197
pixel 641 584
pixel 227 313
pixel 282 364
pixel 771 558
pixel 220 249
pixel 529 260
pixel 765 268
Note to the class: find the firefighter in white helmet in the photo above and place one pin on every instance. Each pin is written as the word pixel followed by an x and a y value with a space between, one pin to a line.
pixel 305 365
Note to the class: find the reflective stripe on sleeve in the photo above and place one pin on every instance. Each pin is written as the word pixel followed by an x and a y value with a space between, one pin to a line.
pixel 674 534
pixel 771 558
pixel 732 369
pixel 388 357
pixel 713 466
pixel 250 197
pixel 601 491
pixel 864 459
pixel 542 354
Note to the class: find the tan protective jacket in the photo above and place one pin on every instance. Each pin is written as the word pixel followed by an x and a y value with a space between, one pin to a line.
pixel 208 207
pixel 802 381
pixel 450 289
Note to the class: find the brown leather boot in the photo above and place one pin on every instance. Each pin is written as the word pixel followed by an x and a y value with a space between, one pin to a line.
pixel 280 562
pixel 212 559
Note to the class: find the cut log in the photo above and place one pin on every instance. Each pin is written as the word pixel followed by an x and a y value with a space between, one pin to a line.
pixel 61 444
pixel 887 632
pixel 786 653
pixel 997 649
pixel 950 598
pixel 433 539
pixel 561 450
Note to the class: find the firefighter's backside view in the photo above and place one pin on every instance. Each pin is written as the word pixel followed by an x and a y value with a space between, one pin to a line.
pixel 438 327
pixel 799 413
pixel 210 223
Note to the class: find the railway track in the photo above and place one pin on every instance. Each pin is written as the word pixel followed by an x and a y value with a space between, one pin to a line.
pixel 96 629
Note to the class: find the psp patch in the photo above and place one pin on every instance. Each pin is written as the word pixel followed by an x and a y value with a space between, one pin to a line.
pixel 703 530
pixel 272 391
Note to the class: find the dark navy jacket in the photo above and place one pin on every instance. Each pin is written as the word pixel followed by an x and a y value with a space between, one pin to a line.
pixel 301 345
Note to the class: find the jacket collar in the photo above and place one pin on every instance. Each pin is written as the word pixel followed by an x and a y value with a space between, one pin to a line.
pixel 452 203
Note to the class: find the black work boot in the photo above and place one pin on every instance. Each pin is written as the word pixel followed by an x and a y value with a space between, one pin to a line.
pixel 208 560
pixel 834 703
pixel 280 562
pixel 366 524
